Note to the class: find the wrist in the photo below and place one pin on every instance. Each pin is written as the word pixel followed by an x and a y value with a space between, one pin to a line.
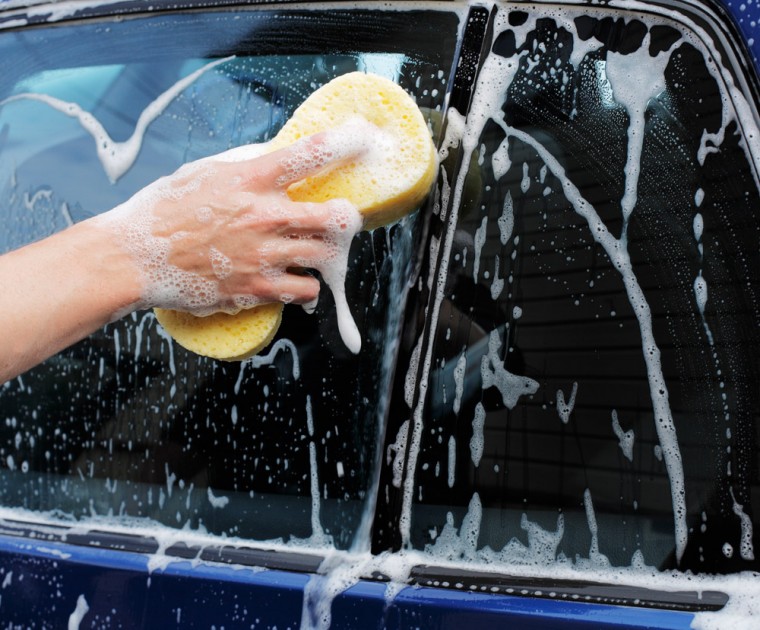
pixel 105 270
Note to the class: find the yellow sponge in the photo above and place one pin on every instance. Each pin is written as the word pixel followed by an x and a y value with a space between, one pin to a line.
pixel 222 336
pixel 384 189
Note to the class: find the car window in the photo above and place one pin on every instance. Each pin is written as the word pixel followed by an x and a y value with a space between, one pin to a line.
pixel 127 424
pixel 587 382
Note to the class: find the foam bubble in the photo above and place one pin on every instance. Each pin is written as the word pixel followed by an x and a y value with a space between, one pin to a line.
pixel 349 140
pixel 163 283
pixel 220 263
pixel 204 214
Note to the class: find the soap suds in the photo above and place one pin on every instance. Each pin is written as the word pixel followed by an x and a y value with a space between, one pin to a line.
pixel 564 409
pixel 625 438
pixel 82 608
pixel 477 441
pixel 397 453
pixel 494 374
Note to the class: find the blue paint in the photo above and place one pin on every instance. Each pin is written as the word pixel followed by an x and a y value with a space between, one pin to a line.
pixel 43 582
pixel 746 13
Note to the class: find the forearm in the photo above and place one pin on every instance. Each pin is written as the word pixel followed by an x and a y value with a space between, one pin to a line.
pixel 220 234
pixel 59 290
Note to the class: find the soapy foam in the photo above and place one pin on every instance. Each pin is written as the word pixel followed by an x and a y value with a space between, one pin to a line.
pixel 167 286
pixel 594 555
pixel 506 221
pixel 459 373
pixel 564 409
pixel 220 263
pixel 318 536
pixel 345 222
pixel 396 454
pixel 452 461
pixel 671 581
pixel 82 608
pixel 635 78
pixel 511 386
pixel 477 441
pixel 625 438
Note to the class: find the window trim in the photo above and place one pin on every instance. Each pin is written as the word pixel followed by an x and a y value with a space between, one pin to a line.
pixel 443 578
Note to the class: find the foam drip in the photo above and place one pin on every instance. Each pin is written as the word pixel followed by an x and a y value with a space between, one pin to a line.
pixel 344 224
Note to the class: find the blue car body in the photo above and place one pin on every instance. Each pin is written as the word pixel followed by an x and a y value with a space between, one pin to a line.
pixel 120 591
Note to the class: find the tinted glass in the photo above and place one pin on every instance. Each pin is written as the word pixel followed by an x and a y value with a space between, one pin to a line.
pixel 591 381
pixel 127 423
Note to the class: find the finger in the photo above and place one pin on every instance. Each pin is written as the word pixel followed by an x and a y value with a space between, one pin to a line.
pixel 285 218
pixel 299 252
pixel 308 219
pixel 303 288
pixel 311 155
pixel 331 219
pixel 289 287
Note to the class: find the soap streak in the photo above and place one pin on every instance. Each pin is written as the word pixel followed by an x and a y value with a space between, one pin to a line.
pixel 502 71
pixel 117 157
pixel 618 254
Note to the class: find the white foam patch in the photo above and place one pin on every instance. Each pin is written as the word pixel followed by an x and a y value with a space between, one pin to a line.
pixel 635 78
pixel 625 438
pixel 396 454
pixel 452 462
pixel 564 409
pixel 82 608
pixel 506 221
pixel 494 374
pixel 216 501
pixel 746 548
pixel 477 441
pixel 318 536
pixel 221 264
pixel 500 162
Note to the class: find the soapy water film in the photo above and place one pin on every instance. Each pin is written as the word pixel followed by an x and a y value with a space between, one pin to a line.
pixel 629 81
pixel 525 157
pixel 482 366
pixel 137 427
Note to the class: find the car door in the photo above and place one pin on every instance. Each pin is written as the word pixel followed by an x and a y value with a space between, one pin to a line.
pixel 552 420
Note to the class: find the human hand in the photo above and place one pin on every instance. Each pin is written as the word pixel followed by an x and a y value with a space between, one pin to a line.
pixel 221 234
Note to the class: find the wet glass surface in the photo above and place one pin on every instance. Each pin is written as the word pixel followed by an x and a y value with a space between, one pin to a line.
pixel 128 423
pixel 590 383
pixel 592 394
